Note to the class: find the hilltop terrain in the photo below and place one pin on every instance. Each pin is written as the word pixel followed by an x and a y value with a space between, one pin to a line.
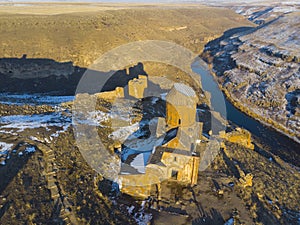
pixel 83 36
pixel 32 36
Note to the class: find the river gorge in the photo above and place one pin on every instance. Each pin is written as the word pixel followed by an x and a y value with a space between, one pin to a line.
pixel 46 49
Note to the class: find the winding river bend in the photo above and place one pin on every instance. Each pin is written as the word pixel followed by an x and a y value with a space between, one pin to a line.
pixel 266 138
pixel 263 136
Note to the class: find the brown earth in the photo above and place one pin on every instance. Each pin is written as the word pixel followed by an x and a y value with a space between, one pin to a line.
pixel 83 35
pixel 55 185
pixel 84 197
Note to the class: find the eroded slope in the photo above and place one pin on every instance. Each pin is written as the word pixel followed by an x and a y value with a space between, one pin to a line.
pixel 260 70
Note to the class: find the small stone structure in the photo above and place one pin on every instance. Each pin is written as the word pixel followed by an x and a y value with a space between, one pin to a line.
pixel 239 136
pixel 111 95
pixel 136 87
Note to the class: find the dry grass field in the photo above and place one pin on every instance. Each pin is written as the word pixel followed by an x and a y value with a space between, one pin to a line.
pixel 80 33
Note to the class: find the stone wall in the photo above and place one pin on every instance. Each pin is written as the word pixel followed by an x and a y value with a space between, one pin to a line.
pixel 136 87
pixel 180 115
pixel 186 166
pixel 239 136
pixel 111 95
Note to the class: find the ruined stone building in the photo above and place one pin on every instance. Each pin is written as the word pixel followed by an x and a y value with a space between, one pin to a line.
pixel 239 136
pixel 136 87
pixel 172 154
pixel 181 106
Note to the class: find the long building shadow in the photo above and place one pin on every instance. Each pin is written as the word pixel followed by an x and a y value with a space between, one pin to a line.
pixel 42 75
pixel 31 75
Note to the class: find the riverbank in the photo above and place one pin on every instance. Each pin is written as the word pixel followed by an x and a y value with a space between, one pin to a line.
pixel 265 121
pixel 264 137
pixel 258 71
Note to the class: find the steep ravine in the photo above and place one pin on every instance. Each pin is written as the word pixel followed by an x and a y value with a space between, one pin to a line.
pixel 259 71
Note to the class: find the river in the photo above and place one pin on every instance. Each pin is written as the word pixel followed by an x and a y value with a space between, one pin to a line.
pixel 266 137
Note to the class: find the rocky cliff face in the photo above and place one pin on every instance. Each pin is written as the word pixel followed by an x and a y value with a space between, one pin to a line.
pixel 259 68
pixel 261 14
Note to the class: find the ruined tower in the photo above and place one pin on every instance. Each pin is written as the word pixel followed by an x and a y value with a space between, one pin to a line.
pixel 136 87
pixel 181 106
pixel 181 116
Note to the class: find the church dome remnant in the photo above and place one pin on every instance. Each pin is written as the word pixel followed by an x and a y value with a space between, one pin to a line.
pixel 181 106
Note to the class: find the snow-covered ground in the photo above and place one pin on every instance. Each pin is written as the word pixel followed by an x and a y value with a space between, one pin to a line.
pixel 15 124
pixel 19 123
pixel 5 148
pixel 123 133
pixel 263 73
pixel 33 99
pixel 264 13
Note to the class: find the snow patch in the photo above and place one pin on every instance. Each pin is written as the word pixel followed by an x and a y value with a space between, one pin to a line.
pixel 130 209
pixel 5 148
pixel 23 122
pixel 34 138
pixel 140 217
pixel 229 222
pixel 30 149
pixel 95 118
pixel 57 133
pixel 143 218
pixel 33 99
pixel 124 133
